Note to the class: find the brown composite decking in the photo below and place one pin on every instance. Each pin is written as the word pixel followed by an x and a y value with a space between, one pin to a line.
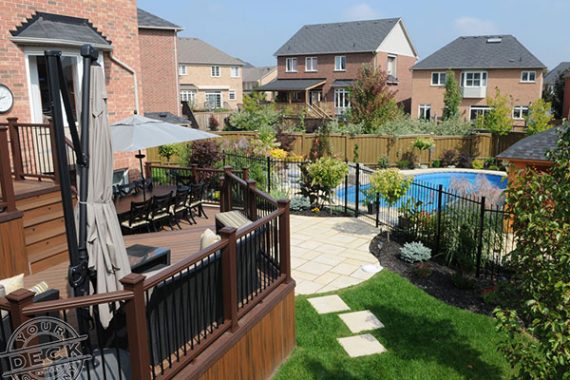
pixel 181 243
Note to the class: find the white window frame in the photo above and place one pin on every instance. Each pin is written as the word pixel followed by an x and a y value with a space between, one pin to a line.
pixel 528 75
pixel 482 79
pixel 216 71
pixel 182 69
pixel 215 93
pixel 232 95
pixel 189 96
pixel 483 110
pixel 522 110
pixel 291 65
pixel 440 75
pixel 341 100
pixel 340 63
pixel 395 59
pixel 422 108
pixel 313 66
pixel 234 71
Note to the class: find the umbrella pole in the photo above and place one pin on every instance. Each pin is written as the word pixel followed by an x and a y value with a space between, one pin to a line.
pixel 141 156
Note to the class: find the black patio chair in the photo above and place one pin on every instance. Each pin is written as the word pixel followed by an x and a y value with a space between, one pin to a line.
pixel 183 180
pixel 196 200
pixel 125 190
pixel 138 218
pixel 160 214
pixel 178 209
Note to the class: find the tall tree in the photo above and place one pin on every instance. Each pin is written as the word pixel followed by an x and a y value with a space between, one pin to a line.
pixel 556 96
pixel 452 97
pixel 539 117
pixel 498 120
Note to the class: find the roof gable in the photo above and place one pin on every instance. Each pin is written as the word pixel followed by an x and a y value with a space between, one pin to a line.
pixel 481 52
pixel 196 51
pixel 398 42
pixel 343 37
pixel 147 20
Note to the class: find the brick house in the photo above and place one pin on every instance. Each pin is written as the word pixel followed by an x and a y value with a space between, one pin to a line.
pixel 481 64
pixel 208 77
pixel 318 64
pixel 254 77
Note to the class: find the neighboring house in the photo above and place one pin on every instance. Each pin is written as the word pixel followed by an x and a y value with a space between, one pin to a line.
pixel 253 77
pixel 157 41
pixel 552 76
pixel 317 66
pixel 481 64
pixel 168 117
pixel 208 77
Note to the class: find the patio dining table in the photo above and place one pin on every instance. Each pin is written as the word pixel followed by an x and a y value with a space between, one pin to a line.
pixel 123 204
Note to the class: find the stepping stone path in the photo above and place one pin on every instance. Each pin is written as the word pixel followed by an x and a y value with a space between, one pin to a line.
pixel 358 321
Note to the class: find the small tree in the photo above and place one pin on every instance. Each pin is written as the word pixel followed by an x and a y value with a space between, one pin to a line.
pixel 372 100
pixel 390 184
pixel 556 96
pixel 422 144
pixel 498 120
pixel 539 117
pixel 320 178
pixel 213 123
pixel 204 153
pixel 167 151
pixel 452 97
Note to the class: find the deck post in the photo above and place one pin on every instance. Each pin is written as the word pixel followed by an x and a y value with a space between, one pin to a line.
pixel 53 147
pixel 245 173
pixel 229 277
pixel 16 148
pixel 19 299
pixel 148 170
pixel 6 183
pixel 194 168
pixel 251 199
pixel 137 326
pixel 285 239
pixel 227 190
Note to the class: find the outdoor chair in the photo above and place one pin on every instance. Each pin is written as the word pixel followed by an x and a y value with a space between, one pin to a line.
pixel 178 209
pixel 195 200
pixel 138 218
pixel 160 214
pixel 125 190
pixel 183 180
pixel 140 185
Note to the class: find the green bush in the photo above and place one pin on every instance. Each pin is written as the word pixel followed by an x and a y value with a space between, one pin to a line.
pixel 299 204
pixel 390 184
pixel 478 164
pixel 383 162
pixel 404 164
pixel 320 178
pixel 415 252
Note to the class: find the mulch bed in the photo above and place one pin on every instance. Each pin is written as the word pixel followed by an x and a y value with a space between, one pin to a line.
pixel 438 284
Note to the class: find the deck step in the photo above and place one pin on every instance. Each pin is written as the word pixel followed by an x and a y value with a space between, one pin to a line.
pixel 43 214
pixel 48 263
pixel 38 201
pixel 43 231
pixel 47 247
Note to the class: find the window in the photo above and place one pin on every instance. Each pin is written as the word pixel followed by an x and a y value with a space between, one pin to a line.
pixel 213 99
pixel 311 64
pixel 215 71
pixel 232 95
pixel 477 111
pixel 291 65
pixel 528 76
pixel 391 66
pixel 182 70
pixel 474 79
pixel 520 112
pixel 188 96
pixel 341 100
pixel 340 63
pixel 425 111
pixel 234 71
pixel 438 79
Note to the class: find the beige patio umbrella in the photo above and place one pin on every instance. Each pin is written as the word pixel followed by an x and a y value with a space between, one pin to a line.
pixel 105 244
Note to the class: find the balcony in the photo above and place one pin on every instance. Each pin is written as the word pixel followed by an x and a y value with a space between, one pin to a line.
pixel 474 92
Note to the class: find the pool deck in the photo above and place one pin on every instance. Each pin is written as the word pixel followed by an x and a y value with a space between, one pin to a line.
pixel 452 170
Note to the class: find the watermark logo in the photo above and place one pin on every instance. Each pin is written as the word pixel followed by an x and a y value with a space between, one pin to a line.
pixel 44 348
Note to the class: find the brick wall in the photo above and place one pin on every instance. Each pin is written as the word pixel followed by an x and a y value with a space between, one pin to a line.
pixel 117 20
pixel 159 70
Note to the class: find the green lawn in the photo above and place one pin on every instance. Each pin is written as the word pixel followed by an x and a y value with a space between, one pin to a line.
pixel 425 338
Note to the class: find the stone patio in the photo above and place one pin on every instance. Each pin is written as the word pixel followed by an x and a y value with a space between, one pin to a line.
pixel 327 254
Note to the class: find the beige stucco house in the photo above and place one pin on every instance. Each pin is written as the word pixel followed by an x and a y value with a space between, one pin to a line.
pixel 253 77
pixel 209 79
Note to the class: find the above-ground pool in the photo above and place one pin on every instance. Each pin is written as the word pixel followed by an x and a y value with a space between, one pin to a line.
pixel 425 187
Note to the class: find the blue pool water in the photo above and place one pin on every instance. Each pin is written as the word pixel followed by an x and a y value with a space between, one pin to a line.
pixel 431 180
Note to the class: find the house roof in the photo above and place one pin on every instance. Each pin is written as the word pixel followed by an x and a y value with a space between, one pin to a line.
pixel 196 51
pixel 552 76
pixel 342 83
pixel 291 84
pixel 481 52
pixel 167 117
pixel 253 74
pixel 147 20
pixel 340 37
pixel 532 148
pixel 53 29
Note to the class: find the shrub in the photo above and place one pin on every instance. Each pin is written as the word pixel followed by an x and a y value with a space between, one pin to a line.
pixel 204 153
pixel 465 160
pixel 299 204
pixel 213 123
pixel 436 164
pixel 255 116
pixel 285 139
pixel 478 164
pixel 407 126
pixel 539 117
pixel 383 162
pixel 278 154
pixel 423 143
pixel 320 178
pixel 390 184
pixel 404 164
pixel 449 157
pixel 415 252
pixel 167 151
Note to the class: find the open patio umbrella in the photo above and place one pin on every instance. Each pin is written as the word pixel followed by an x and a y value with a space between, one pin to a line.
pixel 105 245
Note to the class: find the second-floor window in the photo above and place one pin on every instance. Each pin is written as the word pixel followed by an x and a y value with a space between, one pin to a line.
pixel 391 66
pixel 234 71
pixel 474 79
pixel 340 63
pixel 520 112
pixel 528 76
pixel 215 71
pixel 182 70
pixel 311 64
pixel 438 79
pixel 291 65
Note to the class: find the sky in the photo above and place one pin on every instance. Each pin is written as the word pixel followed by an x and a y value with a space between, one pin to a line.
pixel 253 30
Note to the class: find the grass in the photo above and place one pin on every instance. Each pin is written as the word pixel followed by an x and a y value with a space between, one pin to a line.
pixel 425 338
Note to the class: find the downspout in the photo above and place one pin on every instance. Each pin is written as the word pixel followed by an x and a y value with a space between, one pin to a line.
pixel 133 73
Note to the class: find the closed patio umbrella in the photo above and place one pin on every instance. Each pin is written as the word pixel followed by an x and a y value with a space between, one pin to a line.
pixel 105 245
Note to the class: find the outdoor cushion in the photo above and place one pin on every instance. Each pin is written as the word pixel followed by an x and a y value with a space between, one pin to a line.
pixel 39 288
pixel 13 283
pixel 208 238
pixel 232 219
pixel 2 295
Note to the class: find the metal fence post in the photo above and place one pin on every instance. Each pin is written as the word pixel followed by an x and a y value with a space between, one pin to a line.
pixel 268 174
pixel 377 210
pixel 357 192
pixel 346 191
pixel 224 157
pixel 439 209
pixel 480 237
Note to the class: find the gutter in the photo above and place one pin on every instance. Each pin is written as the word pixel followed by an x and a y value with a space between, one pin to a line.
pixel 133 73
pixel 56 42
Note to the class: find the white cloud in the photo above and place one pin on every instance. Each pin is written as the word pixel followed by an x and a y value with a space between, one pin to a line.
pixel 475 26
pixel 361 11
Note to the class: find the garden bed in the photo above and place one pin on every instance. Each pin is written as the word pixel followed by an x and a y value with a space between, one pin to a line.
pixel 439 283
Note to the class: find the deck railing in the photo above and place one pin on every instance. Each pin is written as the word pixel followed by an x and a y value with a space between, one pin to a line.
pixel 7 198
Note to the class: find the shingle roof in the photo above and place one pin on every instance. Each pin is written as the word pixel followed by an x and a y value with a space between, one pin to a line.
pixel 481 52
pixel 167 117
pixel 149 21
pixel 341 37
pixel 552 76
pixel 534 147
pixel 51 28
pixel 253 74
pixel 194 50
pixel 290 84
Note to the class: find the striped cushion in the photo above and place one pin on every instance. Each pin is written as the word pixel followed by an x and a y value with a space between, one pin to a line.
pixel 233 219
pixel 39 288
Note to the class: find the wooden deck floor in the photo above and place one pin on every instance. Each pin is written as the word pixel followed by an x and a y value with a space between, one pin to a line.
pixel 29 187
pixel 181 243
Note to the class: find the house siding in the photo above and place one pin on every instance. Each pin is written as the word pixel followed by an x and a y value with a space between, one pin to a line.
pixel 201 76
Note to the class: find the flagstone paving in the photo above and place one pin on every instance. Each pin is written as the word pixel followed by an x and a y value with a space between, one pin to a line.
pixel 359 321
pixel 361 345
pixel 328 304
pixel 328 254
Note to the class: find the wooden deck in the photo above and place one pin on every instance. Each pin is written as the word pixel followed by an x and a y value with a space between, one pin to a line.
pixel 29 187
pixel 181 243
